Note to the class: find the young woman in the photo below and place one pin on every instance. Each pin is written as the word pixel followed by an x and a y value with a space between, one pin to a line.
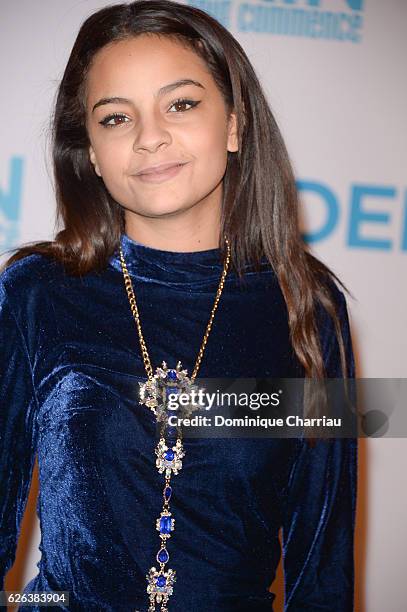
pixel 179 243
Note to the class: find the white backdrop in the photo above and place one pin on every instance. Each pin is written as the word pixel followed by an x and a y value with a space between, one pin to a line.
pixel 334 73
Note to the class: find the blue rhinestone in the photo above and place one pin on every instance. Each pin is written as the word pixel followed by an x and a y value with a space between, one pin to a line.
pixel 165 524
pixel 169 454
pixel 172 374
pixel 170 390
pixel 160 581
pixel 163 556
pixel 167 492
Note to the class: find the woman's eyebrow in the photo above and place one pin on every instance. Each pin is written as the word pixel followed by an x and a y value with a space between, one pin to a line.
pixel 163 90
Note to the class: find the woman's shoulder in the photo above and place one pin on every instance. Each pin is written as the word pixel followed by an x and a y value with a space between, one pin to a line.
pixel 29 269
pixel 27 276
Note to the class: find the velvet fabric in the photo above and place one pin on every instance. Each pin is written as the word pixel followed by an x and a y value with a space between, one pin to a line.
pixel 70 365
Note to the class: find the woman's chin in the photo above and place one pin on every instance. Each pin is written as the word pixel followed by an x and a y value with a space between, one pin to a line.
pixel 160 210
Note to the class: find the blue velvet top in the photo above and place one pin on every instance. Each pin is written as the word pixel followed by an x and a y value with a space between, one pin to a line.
pixel 70 364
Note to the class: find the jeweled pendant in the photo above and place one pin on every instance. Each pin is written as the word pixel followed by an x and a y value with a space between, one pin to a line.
pixel 162 555
pixel 159 393
pixel 160 587
pixel 165 524
pixel 169 459
pixel 156 393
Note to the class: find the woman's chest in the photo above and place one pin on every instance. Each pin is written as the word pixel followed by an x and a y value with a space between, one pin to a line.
pixel 88 365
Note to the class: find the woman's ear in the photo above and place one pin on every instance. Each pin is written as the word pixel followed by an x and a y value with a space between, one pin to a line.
pixel 92 157
pixel 233 143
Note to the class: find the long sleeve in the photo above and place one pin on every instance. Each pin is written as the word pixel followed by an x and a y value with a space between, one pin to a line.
pixel 319 508
pixel 17 439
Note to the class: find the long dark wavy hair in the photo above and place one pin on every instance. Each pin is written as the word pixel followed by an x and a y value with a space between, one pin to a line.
pixel 260 200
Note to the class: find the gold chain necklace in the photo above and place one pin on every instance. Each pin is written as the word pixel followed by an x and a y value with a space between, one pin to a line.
pixel 155 393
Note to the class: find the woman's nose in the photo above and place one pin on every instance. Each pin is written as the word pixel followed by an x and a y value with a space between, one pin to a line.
pixel 152 133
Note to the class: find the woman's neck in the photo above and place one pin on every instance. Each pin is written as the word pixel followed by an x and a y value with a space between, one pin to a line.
pixel 187 231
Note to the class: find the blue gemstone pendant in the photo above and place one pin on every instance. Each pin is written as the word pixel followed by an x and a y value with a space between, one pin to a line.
pixel 156 393
pixel 160 587
pixel 162 555
pixel 169 459
pixel 165 524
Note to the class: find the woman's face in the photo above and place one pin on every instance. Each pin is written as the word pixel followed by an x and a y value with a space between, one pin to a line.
pixel 157 121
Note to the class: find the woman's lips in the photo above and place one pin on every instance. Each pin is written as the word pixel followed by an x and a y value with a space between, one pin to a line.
pixel 160 177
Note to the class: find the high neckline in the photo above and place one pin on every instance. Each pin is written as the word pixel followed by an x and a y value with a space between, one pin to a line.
pixel 133 248
pixel 174 268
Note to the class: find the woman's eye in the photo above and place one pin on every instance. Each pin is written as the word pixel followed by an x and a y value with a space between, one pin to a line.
pixel 116 119
pixel 182 102
pixel 106 122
